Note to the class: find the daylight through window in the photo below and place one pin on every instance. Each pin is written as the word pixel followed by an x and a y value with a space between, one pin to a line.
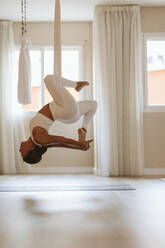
pixel 42 65
pixel 156 72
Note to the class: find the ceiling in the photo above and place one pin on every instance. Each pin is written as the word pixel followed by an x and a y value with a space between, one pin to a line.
pixel 72 10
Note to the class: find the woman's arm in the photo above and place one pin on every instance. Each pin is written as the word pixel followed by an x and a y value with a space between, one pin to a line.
pixel 42 137
pixel 50 139
pixel 68 146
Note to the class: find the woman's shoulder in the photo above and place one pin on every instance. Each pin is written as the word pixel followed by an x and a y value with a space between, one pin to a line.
pixel 39 134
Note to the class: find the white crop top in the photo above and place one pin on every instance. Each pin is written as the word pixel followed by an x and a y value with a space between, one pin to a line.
pixel 41 121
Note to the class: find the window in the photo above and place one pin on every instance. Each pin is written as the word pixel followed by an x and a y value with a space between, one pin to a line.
pixel 154 54
pixel 42 65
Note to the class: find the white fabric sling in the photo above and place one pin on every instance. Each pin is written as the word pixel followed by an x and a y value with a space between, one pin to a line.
pixel 57 40
pixel 24 77
pixel 24 74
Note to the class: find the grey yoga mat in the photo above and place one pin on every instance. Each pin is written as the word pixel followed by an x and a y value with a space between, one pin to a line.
pixel 5 188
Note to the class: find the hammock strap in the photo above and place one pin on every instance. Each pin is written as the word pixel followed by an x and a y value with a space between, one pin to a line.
pixel 57 39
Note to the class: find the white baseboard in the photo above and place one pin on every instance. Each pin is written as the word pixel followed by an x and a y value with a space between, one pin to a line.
pixel 154 172
pixel 60 170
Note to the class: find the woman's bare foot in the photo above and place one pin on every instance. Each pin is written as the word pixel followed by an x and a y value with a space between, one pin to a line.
pixel 82 135
pixel 80 85
pixel 82 139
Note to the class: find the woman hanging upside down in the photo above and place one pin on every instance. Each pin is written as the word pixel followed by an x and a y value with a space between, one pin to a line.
pixel 63 108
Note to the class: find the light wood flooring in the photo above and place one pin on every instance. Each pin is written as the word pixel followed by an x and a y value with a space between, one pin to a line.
pixel 107 219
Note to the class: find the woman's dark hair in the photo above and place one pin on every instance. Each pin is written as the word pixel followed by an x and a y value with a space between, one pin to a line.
pixel 35 156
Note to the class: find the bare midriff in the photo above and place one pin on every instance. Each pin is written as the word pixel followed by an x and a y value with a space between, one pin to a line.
pixel 46 111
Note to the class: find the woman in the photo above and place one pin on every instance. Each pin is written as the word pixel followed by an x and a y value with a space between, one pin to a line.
pixel 63 108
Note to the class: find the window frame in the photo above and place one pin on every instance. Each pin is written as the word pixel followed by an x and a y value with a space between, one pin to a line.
pixel 42 49
pixel 145 38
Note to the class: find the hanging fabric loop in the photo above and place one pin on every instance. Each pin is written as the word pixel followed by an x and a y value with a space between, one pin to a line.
pixel 24 90
pixel 57 39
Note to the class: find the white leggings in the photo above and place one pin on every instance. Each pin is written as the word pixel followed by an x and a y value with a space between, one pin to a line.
pixel 65 108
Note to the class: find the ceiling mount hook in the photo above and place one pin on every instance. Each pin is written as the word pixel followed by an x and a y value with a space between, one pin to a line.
pixel 23 11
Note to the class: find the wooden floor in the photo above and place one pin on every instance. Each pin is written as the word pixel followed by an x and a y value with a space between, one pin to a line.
pixel 108 219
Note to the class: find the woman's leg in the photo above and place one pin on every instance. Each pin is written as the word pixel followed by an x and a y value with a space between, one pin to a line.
pixel 87 109
pixel 65 106
pixel 68 83
pixel 65 82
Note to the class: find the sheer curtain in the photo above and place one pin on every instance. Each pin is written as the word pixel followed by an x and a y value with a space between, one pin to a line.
pixel 7 153
pixel 118 90
pixel 11 121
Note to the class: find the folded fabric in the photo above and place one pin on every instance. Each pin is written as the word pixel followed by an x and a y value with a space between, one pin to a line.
pixel 24 74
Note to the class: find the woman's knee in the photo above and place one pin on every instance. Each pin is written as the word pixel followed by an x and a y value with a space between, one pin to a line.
pixel 48 81
pixel 47 78
pixel 51 78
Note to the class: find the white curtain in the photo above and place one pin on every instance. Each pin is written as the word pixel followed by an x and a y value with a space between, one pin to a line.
pixel 7 154
pixel 118 90
pixel 11 117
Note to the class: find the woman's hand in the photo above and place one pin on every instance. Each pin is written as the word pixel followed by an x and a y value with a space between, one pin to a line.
pixel 85 145
pixel 82 134
pixel 80 85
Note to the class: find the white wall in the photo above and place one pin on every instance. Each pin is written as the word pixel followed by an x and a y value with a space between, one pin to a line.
pixel 41 34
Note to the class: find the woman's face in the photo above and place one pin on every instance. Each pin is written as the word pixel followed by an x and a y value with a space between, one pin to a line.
pixel 25 148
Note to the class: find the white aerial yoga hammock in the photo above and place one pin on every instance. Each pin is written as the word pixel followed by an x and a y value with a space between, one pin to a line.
pixel 57 40
pixel 24 90
pixel 24 76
